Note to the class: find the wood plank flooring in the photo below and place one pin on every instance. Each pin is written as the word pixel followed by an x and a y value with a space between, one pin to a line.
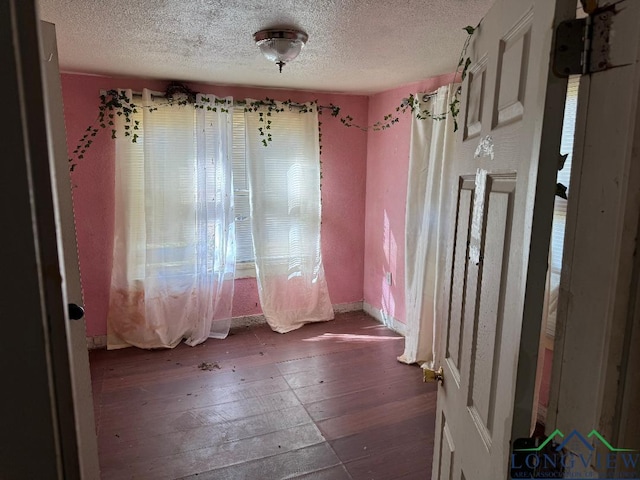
pixel 328 401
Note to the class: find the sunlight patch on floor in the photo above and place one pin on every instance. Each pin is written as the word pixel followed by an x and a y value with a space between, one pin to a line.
pixel 350 337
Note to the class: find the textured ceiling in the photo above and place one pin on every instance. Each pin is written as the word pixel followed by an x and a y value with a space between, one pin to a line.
pixel 358 46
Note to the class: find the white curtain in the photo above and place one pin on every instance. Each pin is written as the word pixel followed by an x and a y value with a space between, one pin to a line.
pixel 430 159
pixel 174 247
pixel 284 185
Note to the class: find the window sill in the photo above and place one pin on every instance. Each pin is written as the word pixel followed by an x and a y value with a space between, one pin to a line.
pixel 245 270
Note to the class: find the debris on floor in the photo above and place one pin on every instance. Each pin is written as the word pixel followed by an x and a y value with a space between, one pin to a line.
pixel 208 366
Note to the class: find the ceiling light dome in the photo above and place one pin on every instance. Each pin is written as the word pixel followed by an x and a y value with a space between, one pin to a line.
pixel 280 46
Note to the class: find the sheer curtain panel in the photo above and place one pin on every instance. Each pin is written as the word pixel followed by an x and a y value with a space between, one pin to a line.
pixel 425 230
pixel 285 212
pixel 174 246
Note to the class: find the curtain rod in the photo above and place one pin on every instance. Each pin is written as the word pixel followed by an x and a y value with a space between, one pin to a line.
pixel 425 98
pixel 235 102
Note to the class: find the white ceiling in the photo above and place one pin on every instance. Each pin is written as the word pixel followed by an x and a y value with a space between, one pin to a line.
pixel 356 46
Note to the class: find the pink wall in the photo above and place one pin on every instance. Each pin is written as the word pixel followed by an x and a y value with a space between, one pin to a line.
pixel 545 384
pixel 344 157
pixel 387 168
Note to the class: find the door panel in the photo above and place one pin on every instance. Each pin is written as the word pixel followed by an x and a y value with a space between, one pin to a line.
pixel 455 331
pixel 491 269
pixel 448 450
pixel 473 114
pixel 496 242
pixel 488 320
pixel 513 65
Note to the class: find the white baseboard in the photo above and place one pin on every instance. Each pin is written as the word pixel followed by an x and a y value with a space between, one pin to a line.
pixel 247 321
pixel 99 341
pixel 244 321
pixel 250 320
pixel 347 307
pixel 385 319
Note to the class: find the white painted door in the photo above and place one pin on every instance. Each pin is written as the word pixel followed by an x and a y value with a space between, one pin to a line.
pixel 78 357
pixel 502 202
pixel 37 421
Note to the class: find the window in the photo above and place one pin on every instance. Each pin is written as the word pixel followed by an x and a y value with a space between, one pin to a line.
pixel 286 177
pixel 174 248
pixel 560 206
pixel 164 237
pixel 286 172
pixel 285 181
pixel 244 240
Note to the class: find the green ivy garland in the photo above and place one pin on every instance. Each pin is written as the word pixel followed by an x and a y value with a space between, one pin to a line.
pixel 114 102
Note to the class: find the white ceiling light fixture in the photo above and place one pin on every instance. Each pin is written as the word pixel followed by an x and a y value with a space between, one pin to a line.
pixel 280 46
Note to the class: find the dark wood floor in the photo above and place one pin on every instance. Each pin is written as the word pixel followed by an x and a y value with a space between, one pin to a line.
pixel 328 401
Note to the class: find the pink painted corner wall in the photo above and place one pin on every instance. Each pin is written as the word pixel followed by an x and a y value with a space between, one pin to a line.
pixel 387 169
pixel 344 158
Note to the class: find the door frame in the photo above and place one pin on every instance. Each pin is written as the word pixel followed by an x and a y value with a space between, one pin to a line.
pixel 38 425
pixel 595 375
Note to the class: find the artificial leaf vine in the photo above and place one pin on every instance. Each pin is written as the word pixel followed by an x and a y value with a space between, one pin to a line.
pixel 116 103
pixel 412 103
pixel 464 62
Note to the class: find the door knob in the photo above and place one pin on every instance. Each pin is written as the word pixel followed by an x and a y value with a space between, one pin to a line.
pixel 76 312
pixel 430 376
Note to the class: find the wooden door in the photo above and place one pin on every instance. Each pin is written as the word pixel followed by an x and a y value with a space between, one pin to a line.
pixel 502 188
pixel 79 359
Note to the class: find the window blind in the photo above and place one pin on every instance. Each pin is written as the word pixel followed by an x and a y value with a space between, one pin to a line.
pixel 244 240
pixel 560 206
pixel 287 174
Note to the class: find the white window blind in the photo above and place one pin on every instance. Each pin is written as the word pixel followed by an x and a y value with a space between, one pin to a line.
pixel 288 124
pixel 173 230
pixel 285 186
pixel 560 206
pixel 244 240
pixel 163 238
